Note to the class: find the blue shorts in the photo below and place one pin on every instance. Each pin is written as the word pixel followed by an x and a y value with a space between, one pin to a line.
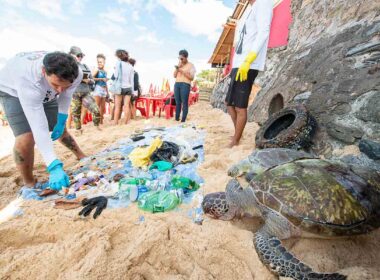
pixel 99 91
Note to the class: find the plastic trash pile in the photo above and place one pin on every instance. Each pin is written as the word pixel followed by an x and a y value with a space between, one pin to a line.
pixel 155 168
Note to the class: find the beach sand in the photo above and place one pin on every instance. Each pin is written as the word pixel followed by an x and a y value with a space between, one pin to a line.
pixel 46 243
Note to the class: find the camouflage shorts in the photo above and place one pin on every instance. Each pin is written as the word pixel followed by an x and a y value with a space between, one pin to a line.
pixel 85 99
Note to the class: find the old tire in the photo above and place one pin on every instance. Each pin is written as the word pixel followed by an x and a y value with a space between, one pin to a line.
pixel 292 127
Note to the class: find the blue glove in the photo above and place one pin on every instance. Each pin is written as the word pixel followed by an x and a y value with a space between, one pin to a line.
pixel 59 127
pixel 58 178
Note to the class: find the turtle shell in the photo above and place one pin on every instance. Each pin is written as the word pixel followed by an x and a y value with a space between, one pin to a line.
pixel 262 160
pixel 319 196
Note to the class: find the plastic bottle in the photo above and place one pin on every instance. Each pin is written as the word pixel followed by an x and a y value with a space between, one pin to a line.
pixel 103 183
pixel 179 193
pixel 198 211
pixel 134 181
pixel 124 190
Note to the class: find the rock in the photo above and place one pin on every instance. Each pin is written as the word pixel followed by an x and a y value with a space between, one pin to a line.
pixel 370 148
pixel 342 109
pixel 361 160
pixel 219 93
pixel 369 110
pixel 343 133
pixel 302 97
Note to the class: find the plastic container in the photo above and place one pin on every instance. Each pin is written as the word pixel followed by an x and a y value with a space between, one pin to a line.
pixel 158 201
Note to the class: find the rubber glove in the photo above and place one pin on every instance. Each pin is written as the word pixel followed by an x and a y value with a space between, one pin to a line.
pixel 59 126
pixel 242 73
pixel 100 203
pixel 58 178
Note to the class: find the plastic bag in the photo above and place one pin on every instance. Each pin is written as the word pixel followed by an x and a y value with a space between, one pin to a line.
pixel 167 152
pixel 141 156
pixel 179 182
pixel 158 201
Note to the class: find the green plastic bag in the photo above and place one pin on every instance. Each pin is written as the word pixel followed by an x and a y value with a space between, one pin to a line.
pixel 158 201
pixel 179 182
pixel 161 165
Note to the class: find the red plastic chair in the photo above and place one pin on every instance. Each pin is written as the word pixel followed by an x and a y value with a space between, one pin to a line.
pixel 87 118
pixel 168 108
pixel 140 105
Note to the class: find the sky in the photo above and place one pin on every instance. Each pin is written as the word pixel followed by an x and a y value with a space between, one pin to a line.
pixel 152 31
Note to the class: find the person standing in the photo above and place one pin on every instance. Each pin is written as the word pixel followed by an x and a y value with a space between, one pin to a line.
pixel 251 37
pixel 183 74
pixel 123 71
pixel 35 92
pixel 101 90
pixel 136 90
pixel 82 95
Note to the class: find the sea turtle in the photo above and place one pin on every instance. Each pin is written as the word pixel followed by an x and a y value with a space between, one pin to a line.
pixel 298 195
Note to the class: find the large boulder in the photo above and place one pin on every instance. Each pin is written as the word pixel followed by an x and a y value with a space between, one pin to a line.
pixel 332 66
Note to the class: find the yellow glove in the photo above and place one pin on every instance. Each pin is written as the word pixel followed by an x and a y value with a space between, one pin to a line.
pixel 242 73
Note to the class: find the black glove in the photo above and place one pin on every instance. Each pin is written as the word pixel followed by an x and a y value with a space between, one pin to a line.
pixel 100 203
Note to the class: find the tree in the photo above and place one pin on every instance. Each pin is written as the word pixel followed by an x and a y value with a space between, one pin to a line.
pixel 206 78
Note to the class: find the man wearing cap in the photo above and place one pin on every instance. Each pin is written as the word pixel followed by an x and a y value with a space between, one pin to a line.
pixel 82 94
pixel 35 91
pixel 251 43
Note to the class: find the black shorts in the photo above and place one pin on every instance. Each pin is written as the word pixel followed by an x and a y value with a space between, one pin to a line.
pixel 238 92
pixel 126 91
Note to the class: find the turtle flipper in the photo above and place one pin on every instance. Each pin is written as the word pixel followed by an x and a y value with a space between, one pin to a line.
pixel 284 264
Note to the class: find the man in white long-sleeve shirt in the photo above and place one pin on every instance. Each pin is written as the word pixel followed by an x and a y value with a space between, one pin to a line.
pixel 251 44
pixel 35 91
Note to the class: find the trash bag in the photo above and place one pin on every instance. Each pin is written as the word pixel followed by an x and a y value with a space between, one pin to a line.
pixel 167 152
pixel 158 201
pixel 141 156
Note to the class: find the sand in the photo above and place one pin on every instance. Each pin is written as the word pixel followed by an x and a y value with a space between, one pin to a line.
pixel 47 243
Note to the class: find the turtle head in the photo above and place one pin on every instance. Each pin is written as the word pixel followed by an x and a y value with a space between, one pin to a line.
pixel 243 199
pixel 240 168
pixel 216 206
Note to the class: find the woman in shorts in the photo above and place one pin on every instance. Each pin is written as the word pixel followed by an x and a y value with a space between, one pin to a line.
pixel 125 70
pixel 101 90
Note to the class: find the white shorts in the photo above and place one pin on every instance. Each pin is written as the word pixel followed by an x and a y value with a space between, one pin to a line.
pixel 99 91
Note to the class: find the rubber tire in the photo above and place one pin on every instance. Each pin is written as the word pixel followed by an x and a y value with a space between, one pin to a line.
pixel 296 136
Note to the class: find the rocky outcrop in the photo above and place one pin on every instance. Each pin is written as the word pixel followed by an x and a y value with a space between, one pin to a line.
pixel 218 94
pixel 332 66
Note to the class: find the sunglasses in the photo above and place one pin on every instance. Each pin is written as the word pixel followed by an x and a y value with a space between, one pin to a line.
pixel 80 55
pixel 181 58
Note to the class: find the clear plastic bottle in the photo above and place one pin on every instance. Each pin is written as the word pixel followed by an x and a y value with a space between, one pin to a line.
pixel 197 210
pixel 103 183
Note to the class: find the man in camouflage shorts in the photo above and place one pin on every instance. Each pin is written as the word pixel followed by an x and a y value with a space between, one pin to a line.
pixel 82 95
